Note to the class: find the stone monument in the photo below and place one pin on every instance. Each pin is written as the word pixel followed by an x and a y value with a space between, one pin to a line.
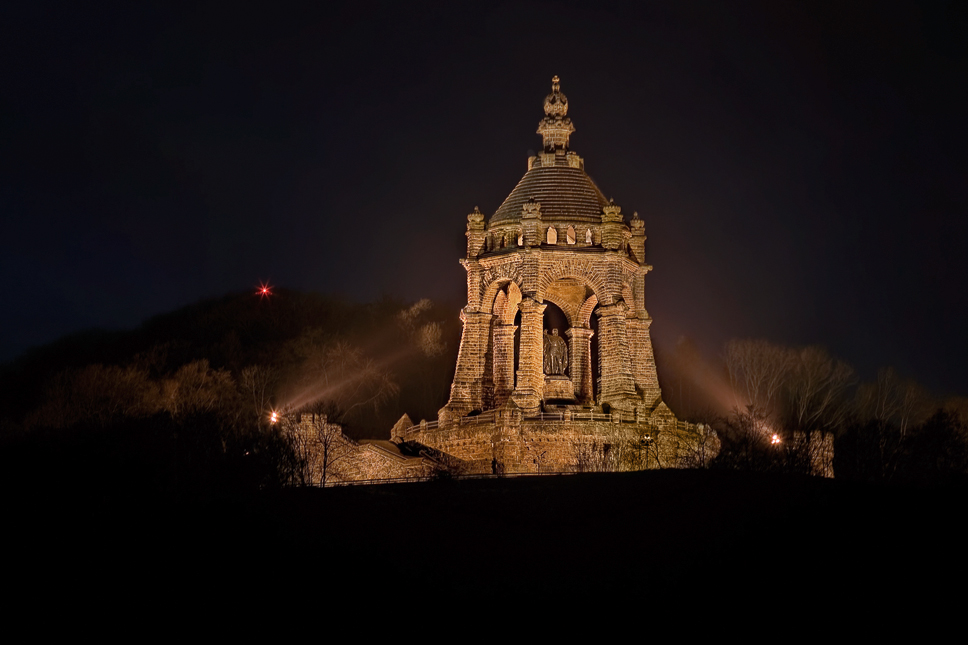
pixel 556 353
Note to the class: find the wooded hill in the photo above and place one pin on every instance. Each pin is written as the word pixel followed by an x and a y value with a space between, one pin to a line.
pixel 182 403
pixel 294 348
pixel 184 399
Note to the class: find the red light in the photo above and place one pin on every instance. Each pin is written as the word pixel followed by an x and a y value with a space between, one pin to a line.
pixel 264 290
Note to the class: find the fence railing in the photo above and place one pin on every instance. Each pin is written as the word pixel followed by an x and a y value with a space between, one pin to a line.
pixel 488 417
pixel 485 417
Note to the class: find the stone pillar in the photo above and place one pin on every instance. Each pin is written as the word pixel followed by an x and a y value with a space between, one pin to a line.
pixel 643 359
pixel 637 245
pixel 465 393
pixel 530 223
pixel 613 227
pixel 530 376
pixel 475 276
pixel 506 440
pixel 616 386
pixel 475 233
pixel 503 350
pixel 580 353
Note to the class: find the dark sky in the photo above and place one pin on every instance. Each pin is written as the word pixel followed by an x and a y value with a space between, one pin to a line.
pixel 801 171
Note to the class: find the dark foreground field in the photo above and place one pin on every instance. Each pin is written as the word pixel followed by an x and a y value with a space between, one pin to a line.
pixel 630 536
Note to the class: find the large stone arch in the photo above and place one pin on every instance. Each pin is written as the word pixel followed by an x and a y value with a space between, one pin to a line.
pixel 582 269
pixel 567 308
pixel 500 303
pixel 490 291
pixel 585 312
pixel 501 299
pixel 510 309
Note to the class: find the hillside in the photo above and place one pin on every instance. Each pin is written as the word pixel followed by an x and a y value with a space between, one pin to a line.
pixel 287 335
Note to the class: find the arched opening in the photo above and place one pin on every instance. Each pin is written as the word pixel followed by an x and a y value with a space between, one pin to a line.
pixel 556 356
pixel 570 235
pixel 573 295
pixel 500 361
pixel 517 346
pixel 555 318
pixel 594 358
pixel 552 235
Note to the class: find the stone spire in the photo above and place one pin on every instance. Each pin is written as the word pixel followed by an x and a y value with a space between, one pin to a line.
pixel 556 127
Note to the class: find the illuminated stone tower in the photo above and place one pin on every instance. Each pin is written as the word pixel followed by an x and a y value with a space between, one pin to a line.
pixel 555 240
pixel 556 348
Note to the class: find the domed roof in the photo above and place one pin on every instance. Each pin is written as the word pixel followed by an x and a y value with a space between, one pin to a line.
pixel 565 193
pixel 556 178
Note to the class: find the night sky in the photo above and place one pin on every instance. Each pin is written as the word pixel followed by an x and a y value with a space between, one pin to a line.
pixel 801 171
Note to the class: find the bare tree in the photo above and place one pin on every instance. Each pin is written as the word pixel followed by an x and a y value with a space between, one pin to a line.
pixel 636 453
pixel 257 383
pixel 748 441
pixel 891 400
pixel 757 372
pixel 816 391
pixel 794 400
pixel 343 381
pixel 196 387
pixel 425 336
pixel 885 412
pixel 699 446
pixel 594 456
pixel 321 447
pixel 100 394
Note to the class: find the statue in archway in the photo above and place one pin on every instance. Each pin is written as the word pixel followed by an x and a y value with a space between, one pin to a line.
pixel 555 353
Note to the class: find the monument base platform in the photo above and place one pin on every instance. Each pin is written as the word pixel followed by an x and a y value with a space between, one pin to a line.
pixel 559 388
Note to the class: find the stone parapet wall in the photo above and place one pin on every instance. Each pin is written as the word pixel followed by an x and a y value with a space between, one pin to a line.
pixel 563 445
pixel 371 463
pixel 330 457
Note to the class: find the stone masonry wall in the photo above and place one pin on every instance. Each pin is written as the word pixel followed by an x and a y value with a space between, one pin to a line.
pixel 562 445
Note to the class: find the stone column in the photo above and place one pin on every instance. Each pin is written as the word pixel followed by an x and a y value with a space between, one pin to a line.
pixel 580 353
pixel 465 393
pixel 530 377
pixel 503 362
pixel 476 233
pixel 475 276
pixel 613 227
pixel 637 246
pixel 506 440
pixel 616 386
pixel 643 359
pixel 530 223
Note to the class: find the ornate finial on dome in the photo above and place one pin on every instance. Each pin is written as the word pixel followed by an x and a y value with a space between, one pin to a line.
pixel 638 226
pixel 556 103
pixel 612 212
pixel 531 209
pixel 476 216
pixel 556 127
